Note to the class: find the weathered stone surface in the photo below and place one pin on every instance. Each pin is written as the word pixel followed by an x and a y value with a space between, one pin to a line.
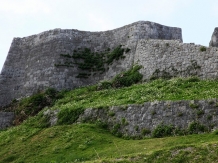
pixel 30 64
pixel 214 38
pixel 169 58
pixel 6 119
pixel 52 115
pixel 151 114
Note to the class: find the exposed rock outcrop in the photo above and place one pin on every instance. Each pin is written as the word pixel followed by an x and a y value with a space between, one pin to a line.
pixel 6 119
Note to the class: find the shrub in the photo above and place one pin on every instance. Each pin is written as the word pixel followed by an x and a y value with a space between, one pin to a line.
pixel 193 79
pixel 136 128
pixel 69 116
pixel 200 113
pixel 211 102
pixel 127 50
pixel 215 132
pixel 128 78
pixel 153 112
pixel 104 85
pixel 180 114
pixel 209 117
pixel 115 54
pixel 193 105
pixel 162 131
pixel 102 124
pixel 145 131
pixel 115 130
pixel 123 120
pixel 203 48
pixel 195 128
pixel 32 105
pixel 111 113
pixel 39 121
pixel 51 92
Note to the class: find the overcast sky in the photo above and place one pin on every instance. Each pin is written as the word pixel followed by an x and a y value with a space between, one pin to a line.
pixel 20 18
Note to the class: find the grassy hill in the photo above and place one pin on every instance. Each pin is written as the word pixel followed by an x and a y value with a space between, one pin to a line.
pixel 34 141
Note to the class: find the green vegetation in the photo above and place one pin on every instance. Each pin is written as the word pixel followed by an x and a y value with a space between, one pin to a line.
pixel 33 141
pixel 89 61
pixel 163 131
pixel 203 48
pixel 117 53
pixel 170 130
pixel 124 79
pixel 193 106
pixel 196 127
pixel 32 105
pixel 173 89
pixel 128 78
pixel 88 142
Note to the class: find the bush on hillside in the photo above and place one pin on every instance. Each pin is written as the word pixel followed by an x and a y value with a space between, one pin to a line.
pixel 128 78
pixel 34 104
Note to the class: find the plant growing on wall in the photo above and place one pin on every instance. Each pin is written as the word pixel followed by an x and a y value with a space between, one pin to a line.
pixel 203 48
pixel 89 61
pixel 124 79
pixel 128 78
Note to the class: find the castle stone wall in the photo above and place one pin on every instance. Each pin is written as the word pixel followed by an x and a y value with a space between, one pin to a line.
pixel 214 38
pixel 133 119
pixel 30 64
pixel 6 119
pixel 169 58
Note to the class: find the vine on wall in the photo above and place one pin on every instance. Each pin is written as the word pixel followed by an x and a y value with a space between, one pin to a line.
pixel 92 62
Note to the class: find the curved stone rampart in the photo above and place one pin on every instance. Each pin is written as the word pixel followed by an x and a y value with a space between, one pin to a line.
pixel 30 64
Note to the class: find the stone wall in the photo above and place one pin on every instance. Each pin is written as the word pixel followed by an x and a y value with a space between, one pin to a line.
pixel 133 119
pixel 6 119
pixel 30 64
pixel 168 58
pixel 214 38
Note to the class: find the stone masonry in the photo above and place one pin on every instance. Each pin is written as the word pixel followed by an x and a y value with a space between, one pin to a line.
pixel 30 64
pixel 214 38
pixel 6 119
pixel 168 58
pixel 133 119
pixel 30 67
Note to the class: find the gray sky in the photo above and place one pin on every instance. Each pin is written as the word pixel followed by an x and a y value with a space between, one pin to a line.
pixel 20 18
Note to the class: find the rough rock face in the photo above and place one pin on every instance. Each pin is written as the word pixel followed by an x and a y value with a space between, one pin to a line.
pixel 171 58
pixel 133 119
pixel 6 119
pixel 31 64
pixel 214 38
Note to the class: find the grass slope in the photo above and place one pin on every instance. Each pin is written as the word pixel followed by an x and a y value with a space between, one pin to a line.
pixel 87 142
pixel 32 142
pixel 174 89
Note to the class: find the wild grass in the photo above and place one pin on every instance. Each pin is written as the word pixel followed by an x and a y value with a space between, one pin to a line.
pixel 173 89
pixel 32 141
pixel 87 142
